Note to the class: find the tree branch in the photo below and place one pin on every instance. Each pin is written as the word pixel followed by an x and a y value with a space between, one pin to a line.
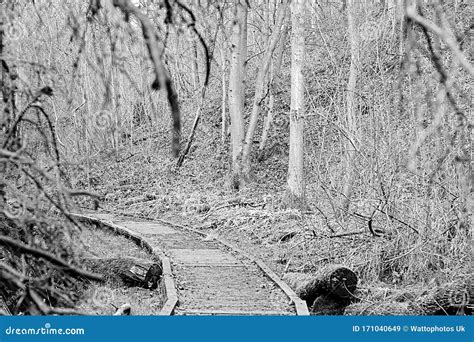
pixel 66 268
pixel 444 35
pixel 162 80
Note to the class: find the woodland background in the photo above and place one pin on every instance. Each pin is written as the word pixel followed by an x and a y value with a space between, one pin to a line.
pixel 376 173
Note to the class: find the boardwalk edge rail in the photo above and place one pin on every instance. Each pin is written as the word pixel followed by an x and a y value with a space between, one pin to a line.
pixel 168 280
pixel 300 305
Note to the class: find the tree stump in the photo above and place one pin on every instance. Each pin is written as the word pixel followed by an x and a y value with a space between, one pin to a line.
pixel 130 271
pixel 326 292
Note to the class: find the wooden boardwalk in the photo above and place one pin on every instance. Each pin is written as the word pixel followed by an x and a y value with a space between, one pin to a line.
pixel 210 277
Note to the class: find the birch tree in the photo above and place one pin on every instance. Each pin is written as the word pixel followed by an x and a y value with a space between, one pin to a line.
pixel 260 87
pixel 274 71
pixel 236 88
pixel 295 184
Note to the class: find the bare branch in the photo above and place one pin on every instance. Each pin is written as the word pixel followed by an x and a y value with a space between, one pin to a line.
pixel 162 79
pixel 449 39
pixel 66 268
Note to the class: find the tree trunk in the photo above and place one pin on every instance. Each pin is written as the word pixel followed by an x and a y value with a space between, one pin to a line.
pixel 197 118
pixel 296 186
pixel 259 89
pixel 274 70
pixel 351 103
pixel 236 91
pixel 195 66
pixel 4 114
pixel 224 94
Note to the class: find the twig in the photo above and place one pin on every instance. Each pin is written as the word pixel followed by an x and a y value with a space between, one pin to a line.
pixel 347 234
pixel 444 35
pixel 197 117
pixel 47 310
pixel 126 158
pixel 8 274
pixel 234 204
pixel 67 268
pixel 162 79
pixel 399 221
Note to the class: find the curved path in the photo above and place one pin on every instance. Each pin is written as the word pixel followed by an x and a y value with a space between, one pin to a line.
pixel 213 277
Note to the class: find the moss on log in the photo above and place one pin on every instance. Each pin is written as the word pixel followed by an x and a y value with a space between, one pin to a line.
pixel 129 271
pixel 334 280
pixel 326 292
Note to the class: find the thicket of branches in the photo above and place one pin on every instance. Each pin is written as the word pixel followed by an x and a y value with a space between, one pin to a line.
pixel 63 58
pixel 88 86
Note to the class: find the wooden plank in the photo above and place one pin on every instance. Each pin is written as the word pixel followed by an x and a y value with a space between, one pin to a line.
pixel 300 305
pixel 149 228
pixel 137 238
pixel 170 287
pixel 212 312
pixel 204 257
pixel 171 292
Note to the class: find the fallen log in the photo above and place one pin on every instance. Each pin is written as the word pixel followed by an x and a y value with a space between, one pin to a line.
pixel 141 198
pixel 326 292
pixel 328 305
pixel 379 309
pixel 130 271
pixel 335 280
pixel 455 298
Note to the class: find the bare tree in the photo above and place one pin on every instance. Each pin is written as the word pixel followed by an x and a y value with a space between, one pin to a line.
pixel 236 92
pixel 274 71
pixel 260 87
pixel 296 183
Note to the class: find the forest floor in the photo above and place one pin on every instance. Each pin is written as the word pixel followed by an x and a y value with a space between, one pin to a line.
pixel 106 297
pixel 148 184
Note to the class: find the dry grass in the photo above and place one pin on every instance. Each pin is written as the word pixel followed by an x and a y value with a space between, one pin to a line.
pixel 414 198
pixel 400 263
pixel 105 244
pixel 105 298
